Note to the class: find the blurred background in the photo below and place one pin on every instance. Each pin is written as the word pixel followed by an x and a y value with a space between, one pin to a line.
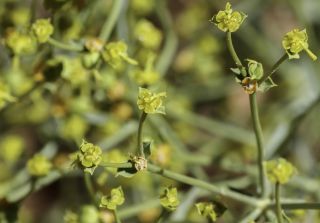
pixel 51 99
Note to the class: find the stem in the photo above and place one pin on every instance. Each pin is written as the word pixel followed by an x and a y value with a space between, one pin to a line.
pixel 89 187
pixel 259 139
pixel 278 204
pixel 234 55
pixel 64 46
pixel 163 216
pixel 274 68
pixel 118 220
pixel 111 20
pixel 141 121
pixel 222 191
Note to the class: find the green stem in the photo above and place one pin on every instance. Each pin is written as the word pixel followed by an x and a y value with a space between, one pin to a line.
pixel 64 46
pixel 118 220
pixel 139 143
pixel 234 55
pixel 259 139
pixel 300 206
pixel 163 216
pixel 278 204
pixel 274 68
pixel 222 191
pixel 111 20
pixel 89 187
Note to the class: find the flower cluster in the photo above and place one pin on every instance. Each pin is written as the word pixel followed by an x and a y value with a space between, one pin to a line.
pixel 279 171
pixel 294 42
pixel 115 53
pixel 169 198
pixel 89 157
pixel 206 209
pixel 150 102
pixel 42 29
pixel 20 43
pixel 39 165
pixel 114 199
pixel 228 20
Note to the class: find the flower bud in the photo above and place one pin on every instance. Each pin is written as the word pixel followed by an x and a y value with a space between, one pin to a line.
pixel 39 165
pixel 150 102
pixel 169 198
pixel 114 199
pixel 42 29
pixel 279 171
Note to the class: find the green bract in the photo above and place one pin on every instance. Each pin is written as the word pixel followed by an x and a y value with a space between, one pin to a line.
pixel 147 34
pixel 89 156
pixel 113 200
pixel 114 53
pixel 39 165
pixel 169 198
pixel 206 209
pixel 42 29
pixel 150 102
pixel 294 42
pixel 279 171
pixel 228 20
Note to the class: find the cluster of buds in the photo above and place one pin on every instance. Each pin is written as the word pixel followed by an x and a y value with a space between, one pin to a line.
pixel 42 29
pixel 147 34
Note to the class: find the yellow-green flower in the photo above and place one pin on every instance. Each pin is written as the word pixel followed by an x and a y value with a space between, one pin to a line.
pixel 114 199
pixel 148 75
pixel 169 198
pixel 150 102
pixel 147 34
pixel 39 165
pixel 228 20
pixel 89 156
pixel 294 42
pixel 114 53
pixel 279 170
pixel 206 209
pixel 20 43
pixel 42 29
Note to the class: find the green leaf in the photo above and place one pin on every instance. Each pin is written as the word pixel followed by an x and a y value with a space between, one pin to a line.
pixel 236 71
pixel 266 85
pixel 126 172
pixel 147 148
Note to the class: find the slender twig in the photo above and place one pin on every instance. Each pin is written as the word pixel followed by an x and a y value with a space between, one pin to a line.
pixel 89 187
pixel 222 191
pixel 111 20
pixel 274 68
pixel 163 216
pixel 253 215
pixel 118 220
pixel 259 139
pixel 139 137
pixel 234 55
pixel 278 204
pixel 65 46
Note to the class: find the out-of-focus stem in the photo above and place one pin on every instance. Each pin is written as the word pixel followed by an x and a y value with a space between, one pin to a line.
pixel 139 138
pixel 278 204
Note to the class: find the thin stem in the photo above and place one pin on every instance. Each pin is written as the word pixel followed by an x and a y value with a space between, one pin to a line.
pixel 118 220
pixel 64 46
pixel 222 191
pixel 278 204
pixel 274 68
pixel 259 139
pixel 89 187
pixel 234 55
pixel 253 215
pixel 300 206
pixel 139 143
pixel 163 216
pixel 111 20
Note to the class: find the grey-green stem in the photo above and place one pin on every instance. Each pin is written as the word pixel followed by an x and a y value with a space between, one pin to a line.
pixel 278 204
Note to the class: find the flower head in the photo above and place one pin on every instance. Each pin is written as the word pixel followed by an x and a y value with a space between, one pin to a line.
pixel 294 42
pixel 42 29
pixel 228 20
pixel 115 53
pixel 114 199
pixel 279 171
pixel 206 209
pixel 20 43
pixel 147 34
pixel 169 198
pixel 89 156
pixel 39 165
pixel 150 102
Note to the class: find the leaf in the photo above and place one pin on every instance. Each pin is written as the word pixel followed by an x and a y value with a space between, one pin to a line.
pixel 147 148
pixel 266 85
pixel 236 71
pixel 127 172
